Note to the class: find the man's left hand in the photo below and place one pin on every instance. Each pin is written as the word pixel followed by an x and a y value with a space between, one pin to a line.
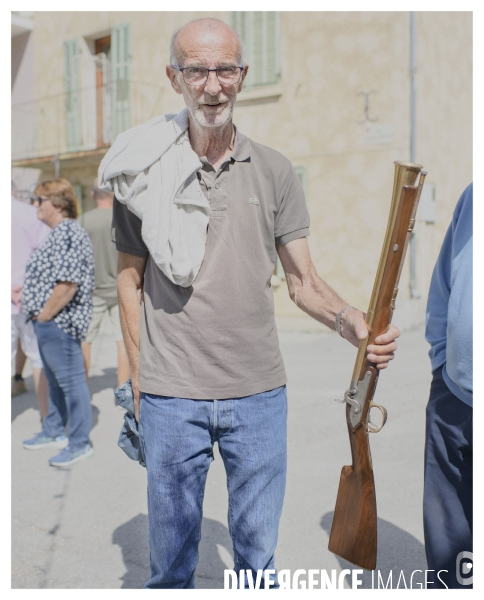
pixel 383 350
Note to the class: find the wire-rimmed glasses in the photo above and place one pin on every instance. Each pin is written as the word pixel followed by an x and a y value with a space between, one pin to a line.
pixel 199 75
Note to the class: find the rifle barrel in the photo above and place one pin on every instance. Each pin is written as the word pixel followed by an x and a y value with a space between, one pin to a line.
pixel 354 529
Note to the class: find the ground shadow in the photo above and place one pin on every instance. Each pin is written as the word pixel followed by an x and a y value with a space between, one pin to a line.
pixel 108 379
pixel 132 537
pixel 28 400
pixel 398 551
pixel 215 541
pixel 24 401
pixel 95 416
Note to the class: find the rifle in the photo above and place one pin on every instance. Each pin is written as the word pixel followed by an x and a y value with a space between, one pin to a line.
pixel 354 529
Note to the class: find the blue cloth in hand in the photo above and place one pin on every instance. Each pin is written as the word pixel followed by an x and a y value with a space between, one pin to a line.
pixel 128 439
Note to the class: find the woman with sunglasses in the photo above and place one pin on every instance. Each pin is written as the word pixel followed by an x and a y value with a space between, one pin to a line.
pixel 57 296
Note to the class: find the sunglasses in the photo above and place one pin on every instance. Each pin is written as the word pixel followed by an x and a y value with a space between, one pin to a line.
pixel 40 199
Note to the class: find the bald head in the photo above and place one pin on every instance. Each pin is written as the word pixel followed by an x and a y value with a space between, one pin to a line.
pixel 103 199
pixel 206 31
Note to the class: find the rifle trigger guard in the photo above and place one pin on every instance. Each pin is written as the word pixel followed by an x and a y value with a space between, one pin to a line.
pixel 371 427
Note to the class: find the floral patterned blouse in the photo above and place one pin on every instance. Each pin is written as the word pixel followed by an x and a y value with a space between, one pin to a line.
pixel 66 255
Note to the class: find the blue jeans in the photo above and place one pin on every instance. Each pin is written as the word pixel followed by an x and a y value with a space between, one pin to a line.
pixel 177 437
pixel 447 506
pixel 69 397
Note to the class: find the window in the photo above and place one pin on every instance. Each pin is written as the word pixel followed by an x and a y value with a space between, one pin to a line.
pixel 121 69
pixel 72 55
pixel 259 32
pixel 97 88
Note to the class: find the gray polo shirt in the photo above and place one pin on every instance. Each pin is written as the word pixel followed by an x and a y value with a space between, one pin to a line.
pixel 217 339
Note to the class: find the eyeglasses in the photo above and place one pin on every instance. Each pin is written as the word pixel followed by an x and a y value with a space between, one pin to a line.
pixel 199 75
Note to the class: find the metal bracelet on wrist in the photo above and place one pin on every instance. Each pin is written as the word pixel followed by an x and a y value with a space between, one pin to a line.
pixel 339 318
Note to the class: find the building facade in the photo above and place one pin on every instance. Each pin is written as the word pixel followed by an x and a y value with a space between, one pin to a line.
pixel 341 94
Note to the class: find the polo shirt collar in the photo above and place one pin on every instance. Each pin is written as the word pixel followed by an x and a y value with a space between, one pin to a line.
pixel 241 149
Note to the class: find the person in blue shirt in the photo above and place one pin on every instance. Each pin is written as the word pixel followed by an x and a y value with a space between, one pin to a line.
pixel 448 441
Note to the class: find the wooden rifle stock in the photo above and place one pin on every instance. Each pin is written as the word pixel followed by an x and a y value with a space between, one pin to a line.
pixel 354 529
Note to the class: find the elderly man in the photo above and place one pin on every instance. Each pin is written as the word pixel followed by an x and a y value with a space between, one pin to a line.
pixel 202 344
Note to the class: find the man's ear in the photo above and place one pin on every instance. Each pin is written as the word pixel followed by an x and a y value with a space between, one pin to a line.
pixel 171 73
pixel 243 76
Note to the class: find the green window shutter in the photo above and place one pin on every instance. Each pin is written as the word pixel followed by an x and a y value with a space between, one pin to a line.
pixel 237 22
pixel 258 48
pixel 259 30
pixel 72 82
pixel 121 75
pixel 271 63
pixel 241 21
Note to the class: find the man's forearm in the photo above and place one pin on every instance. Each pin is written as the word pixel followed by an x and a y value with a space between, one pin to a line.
pixel 130 285
pixel 129 315
pixel 61 295
pixel 315 297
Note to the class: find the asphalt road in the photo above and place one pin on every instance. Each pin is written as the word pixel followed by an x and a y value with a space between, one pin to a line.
pixel 86 527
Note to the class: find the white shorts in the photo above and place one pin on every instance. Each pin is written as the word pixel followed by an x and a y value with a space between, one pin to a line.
pixel 28 340
pixel 99 308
